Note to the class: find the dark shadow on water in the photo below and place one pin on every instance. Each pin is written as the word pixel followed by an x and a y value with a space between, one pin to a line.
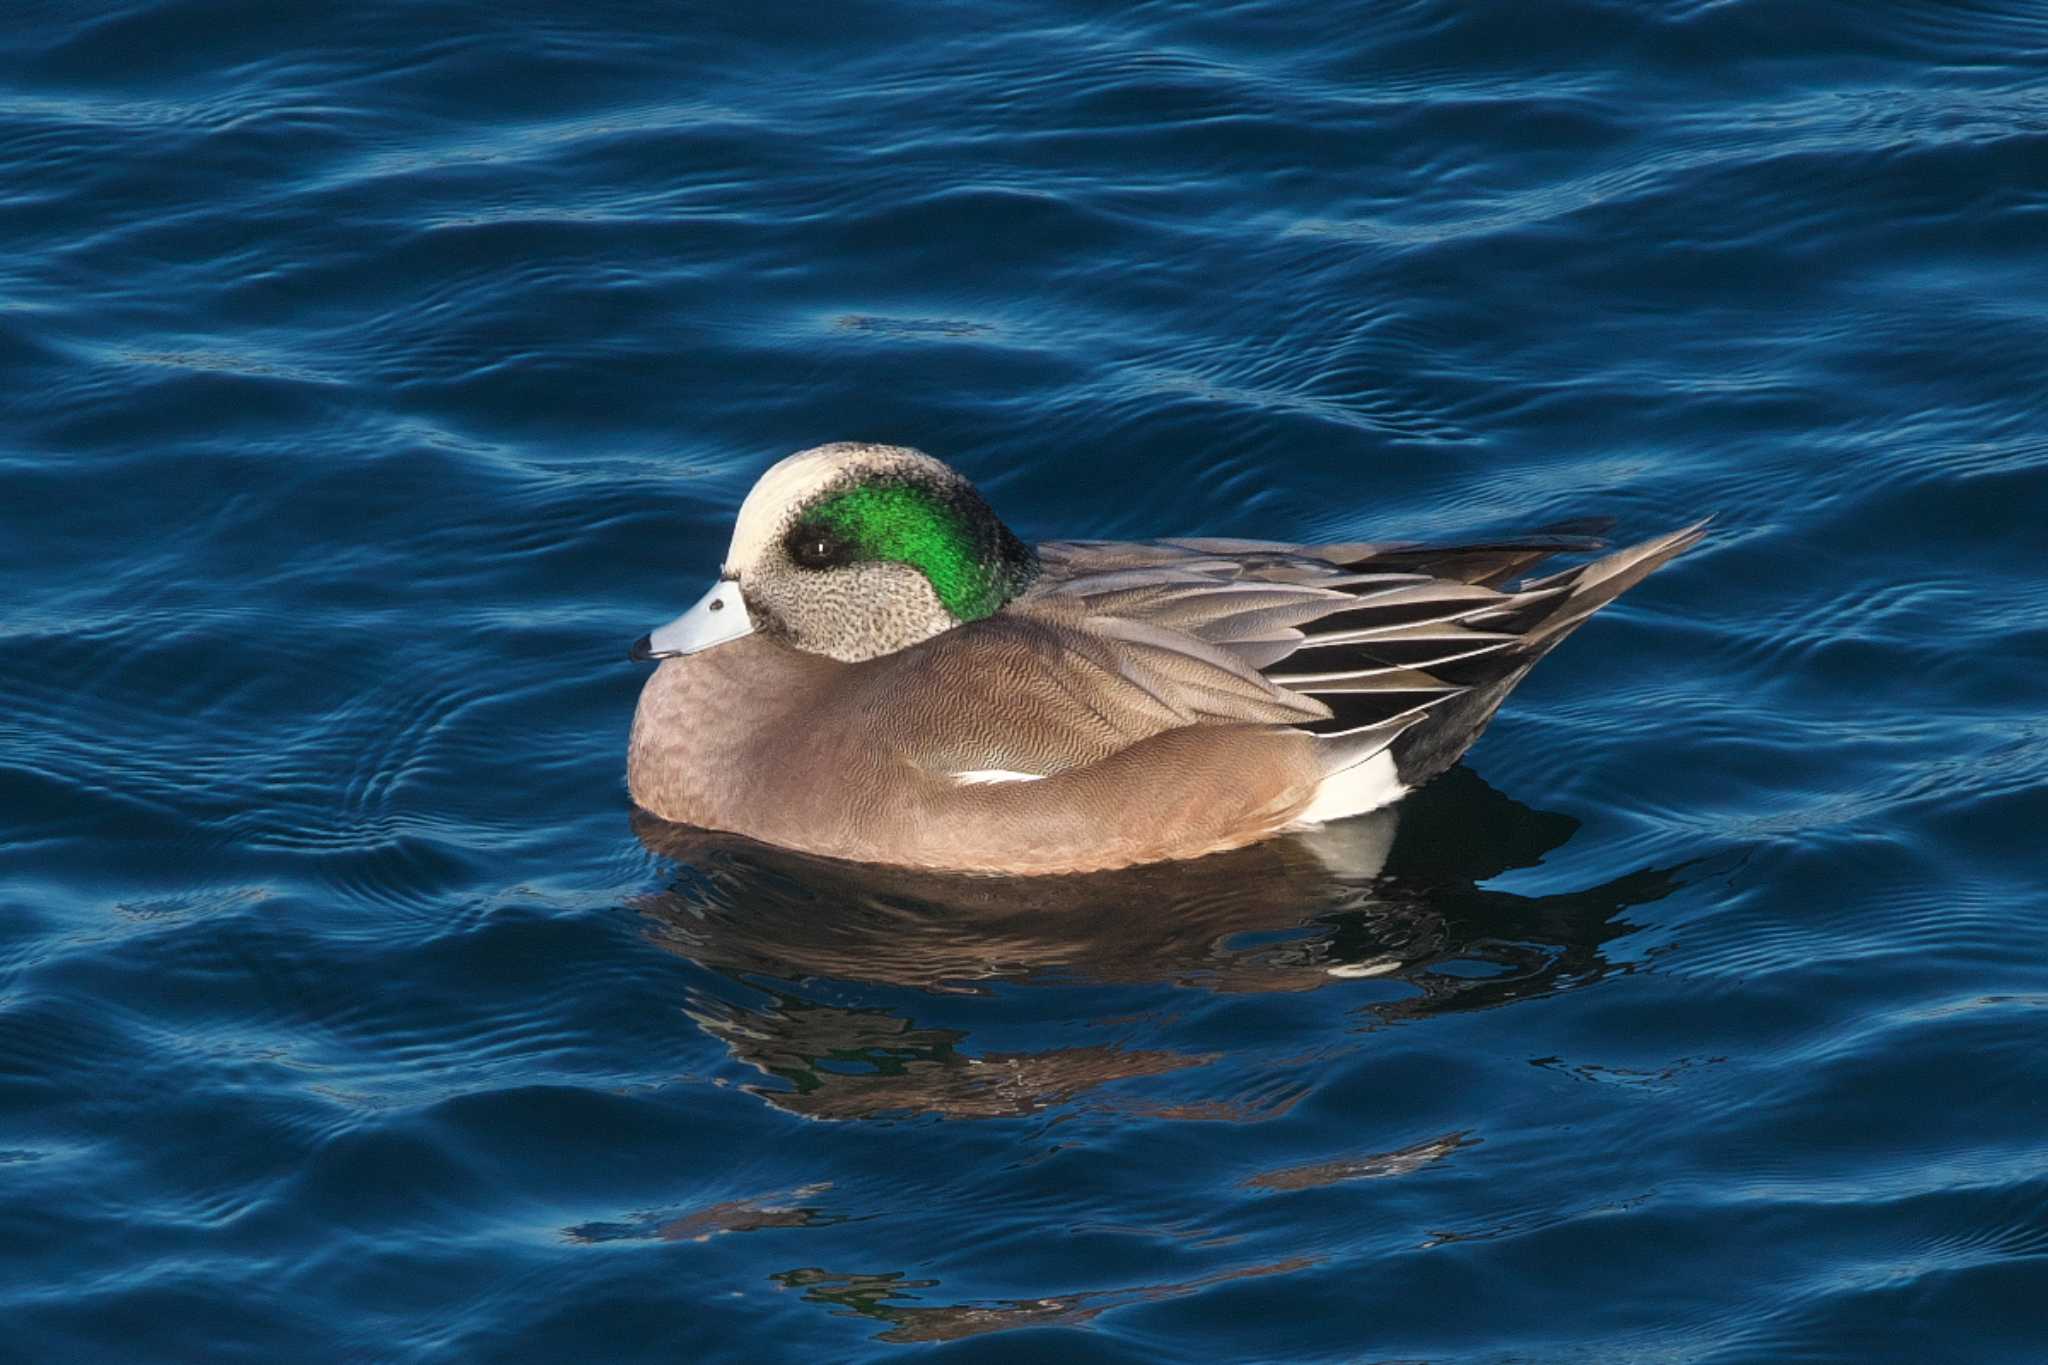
pixel 1394 897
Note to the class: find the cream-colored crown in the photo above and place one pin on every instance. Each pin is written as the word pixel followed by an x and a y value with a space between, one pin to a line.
pixel 793 483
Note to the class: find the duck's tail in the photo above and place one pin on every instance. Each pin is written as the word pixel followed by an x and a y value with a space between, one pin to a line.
pixel 1592 586
pixel 1377 762
pixel 1423 751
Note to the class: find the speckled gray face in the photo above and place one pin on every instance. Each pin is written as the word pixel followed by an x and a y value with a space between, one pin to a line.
pixel 855 551
pixel 849 612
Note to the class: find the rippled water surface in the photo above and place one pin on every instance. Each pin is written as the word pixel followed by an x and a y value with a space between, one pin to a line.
pixel 372 375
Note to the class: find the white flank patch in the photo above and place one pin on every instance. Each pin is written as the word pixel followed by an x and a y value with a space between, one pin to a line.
pixel 975 777
pixel 1354 791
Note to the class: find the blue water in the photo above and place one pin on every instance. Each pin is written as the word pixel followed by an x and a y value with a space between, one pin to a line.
pixel 371 376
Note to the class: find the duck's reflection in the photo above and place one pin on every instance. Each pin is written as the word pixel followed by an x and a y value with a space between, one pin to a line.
pixel 1393 896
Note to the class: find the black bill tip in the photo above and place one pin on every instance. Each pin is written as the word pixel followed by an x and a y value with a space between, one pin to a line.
pixel 642 651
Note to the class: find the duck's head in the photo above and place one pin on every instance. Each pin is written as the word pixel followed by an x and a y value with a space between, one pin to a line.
pixel 854 551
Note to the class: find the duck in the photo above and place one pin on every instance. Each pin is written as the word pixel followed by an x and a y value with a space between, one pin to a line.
pixel 884 673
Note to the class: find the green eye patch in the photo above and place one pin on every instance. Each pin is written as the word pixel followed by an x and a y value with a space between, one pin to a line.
pixel 911 525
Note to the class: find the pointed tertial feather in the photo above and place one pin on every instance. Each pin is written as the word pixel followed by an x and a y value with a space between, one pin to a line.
pixel 1456 599
pixel 1405 680
pixel 1263 651
pixel 1278 561
pixel 1111 584
pixel 1452 632
pixel 1193 672
pixel 1253 619
pixel 1406 611
pixel 1073 558
pixel 1383 656
pixel 1260 623
pixel 1220 616
pixel 1253 622
pixel 1191 576
pixel 1291 604
pixel 1315 573
pixel 1191 607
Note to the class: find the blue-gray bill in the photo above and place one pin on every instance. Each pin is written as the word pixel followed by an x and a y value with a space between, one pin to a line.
pixel 719 616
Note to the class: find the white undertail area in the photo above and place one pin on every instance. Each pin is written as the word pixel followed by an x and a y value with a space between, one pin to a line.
pixel 1358 772
pixel 1353 791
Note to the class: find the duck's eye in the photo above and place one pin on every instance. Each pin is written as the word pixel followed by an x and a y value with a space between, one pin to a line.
pixel 815 549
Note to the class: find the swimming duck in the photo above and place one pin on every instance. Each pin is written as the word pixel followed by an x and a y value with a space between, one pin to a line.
pixel 884 673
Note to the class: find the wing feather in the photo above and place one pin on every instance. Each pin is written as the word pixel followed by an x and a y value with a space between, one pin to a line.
pixel 1321 636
